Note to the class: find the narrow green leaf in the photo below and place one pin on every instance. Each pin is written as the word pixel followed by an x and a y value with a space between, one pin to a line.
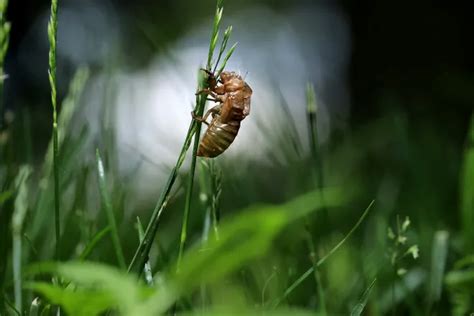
pixel 19 214
pixel 75 302
pixel 147 268
pixel 439 253
pixel 467 190
pixel 226 59
pixel 94 241
pixel 359 308
pixel 241 239
pixel 108 209
pixel 35 307
pixel 5 196
pixel 308 272
pixel 225 39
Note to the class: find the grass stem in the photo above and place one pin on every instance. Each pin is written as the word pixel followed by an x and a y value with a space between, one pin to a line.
pixel 308 272
pixel 110 213
pixel 314 262
pixel 4 40
pixel 141 254
pixel 52 36
pixel 19 214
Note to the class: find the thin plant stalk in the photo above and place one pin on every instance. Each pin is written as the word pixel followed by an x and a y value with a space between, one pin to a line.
pixel 19 214
pixel 147 268
pixel 4 40
pixel 216 190
pixel 201 101
pixel 312 116
pixel 110 213
pixel 315 154
pixel 314 262
pixel 190 185
pixel 52 36
pixel 141 254
pixel 321 261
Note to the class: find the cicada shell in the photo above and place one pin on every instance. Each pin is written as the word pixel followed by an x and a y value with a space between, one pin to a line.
pixel 233 95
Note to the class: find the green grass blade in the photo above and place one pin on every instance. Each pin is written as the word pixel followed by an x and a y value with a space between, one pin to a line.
pixel 312 112
pixel 35 307
pixel 359 308
pixel 4 41
pixel 467 190
pixel 308 272
pixel 353 229
pixel 143 250
pixel 215 32
pixel 226 59
pixel 141 254
pixel 147 268
pixel 94 241
pixel 241 238
pixel 316 159
pixel 52 36
pixel 224 42
pixel 5 196
pixel 439 255
pixel 19 214
pixel 107 205
pixel 12 307
pixel 317 277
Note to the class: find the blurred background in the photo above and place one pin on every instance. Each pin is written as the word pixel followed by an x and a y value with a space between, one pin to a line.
pixel 394 88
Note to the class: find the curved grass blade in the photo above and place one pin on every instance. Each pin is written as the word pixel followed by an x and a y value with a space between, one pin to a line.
pixel 107 205
pixel 94 241
pixel 305 275
pixel 18 217
pixel 147 268
pixel 359 308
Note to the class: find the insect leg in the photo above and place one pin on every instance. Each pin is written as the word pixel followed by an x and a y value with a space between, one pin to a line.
pixel 213 110
pixel 207 91
pixel 208 72
pixel 198 118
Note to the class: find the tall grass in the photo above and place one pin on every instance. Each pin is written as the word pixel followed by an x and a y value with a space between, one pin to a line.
pixel 143 249
pixel 249 259
pixel 4 40
pixel 199 111
pixel 52 37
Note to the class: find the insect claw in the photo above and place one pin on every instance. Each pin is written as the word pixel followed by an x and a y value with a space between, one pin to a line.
pixel 209 73
pixel 203 91
pixel 198 118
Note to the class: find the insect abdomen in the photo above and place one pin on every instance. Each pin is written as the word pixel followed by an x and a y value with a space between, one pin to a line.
pixel 218 137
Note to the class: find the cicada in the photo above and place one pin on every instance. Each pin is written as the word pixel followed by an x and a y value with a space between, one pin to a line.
pixel 232 95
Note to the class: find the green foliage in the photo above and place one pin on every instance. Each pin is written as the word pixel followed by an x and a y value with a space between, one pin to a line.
pixel 439 254
pixel 400 248
pixel 467 190
pixel 359 308
pixel 460 284
pixel 4 40
pixel 241 248
pixel 95 288
pixel 52 37
pixel 18 217
pixel 107 205
pixel 141 254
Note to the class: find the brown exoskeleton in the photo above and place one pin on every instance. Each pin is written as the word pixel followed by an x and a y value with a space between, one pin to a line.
pixel 232 94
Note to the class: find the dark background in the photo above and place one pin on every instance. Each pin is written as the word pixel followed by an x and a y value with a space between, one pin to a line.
pixel 418 52
pixel 411 85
